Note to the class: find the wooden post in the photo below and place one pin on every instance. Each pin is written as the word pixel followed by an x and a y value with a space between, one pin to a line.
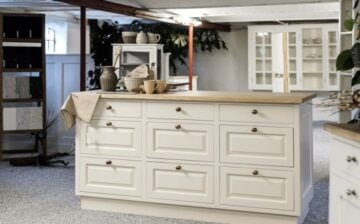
pixel 82 48
pixel 191 54
pixel 286 61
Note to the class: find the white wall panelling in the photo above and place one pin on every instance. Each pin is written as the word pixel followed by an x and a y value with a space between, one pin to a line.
pixel 62 79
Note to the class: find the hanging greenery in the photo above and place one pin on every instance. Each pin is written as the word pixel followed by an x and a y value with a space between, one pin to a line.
pixel 173 37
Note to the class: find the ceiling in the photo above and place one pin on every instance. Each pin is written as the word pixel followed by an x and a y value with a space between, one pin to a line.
pixel 224 11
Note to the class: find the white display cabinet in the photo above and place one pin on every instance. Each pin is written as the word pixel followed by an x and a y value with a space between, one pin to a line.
pixel 133 55
pixel 312 51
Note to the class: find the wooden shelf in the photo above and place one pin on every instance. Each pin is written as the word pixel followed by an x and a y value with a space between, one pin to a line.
pixel 23 70
pixel 22 100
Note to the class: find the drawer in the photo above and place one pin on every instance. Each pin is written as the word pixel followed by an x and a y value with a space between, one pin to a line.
pixel 104 137
pixel 268 189
pixel 257 145
pixel 117 108
pixel 180 182
pixel 105 176
pixel 257 113
pixel 180 141
pixel 344 201
pixel 345 158
pixel 182 111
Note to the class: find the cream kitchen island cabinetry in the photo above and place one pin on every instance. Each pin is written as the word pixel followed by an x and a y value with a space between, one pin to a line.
pixel 215 156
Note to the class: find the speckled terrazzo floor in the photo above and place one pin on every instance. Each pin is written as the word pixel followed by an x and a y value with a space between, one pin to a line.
pixel 38 195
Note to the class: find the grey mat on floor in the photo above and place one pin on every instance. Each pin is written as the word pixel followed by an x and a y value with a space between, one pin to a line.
pixel 46 195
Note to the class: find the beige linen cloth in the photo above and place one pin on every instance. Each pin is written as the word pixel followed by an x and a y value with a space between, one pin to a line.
pixel 79 105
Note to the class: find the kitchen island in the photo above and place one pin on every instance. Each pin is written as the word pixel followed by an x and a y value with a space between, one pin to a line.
pixel 227 157
pixel 344 173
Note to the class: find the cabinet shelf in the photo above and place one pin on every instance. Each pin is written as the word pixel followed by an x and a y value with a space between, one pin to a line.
pixel 312 45
pixel 22 100
pixel 21 131
pixel 313 59
pixel 22 40
pixel 23 70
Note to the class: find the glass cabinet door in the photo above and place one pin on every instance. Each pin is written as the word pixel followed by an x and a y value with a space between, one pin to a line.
pixel 332 52
pixel 263 59
pixel 312 59
pixel 292 66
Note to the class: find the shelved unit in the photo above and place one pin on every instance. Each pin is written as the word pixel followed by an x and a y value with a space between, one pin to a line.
pixel 22 77
pixel 312 50
pixel 133 55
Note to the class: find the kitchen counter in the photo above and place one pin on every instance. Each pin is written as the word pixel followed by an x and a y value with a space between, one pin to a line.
pixel 348 131
pixel 227 157
pixel 217 96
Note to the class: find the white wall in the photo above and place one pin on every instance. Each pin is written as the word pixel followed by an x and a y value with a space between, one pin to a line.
pixel 223 69
pixel 73 43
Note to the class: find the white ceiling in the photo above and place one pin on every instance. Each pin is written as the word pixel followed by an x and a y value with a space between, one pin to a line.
pixel 229 11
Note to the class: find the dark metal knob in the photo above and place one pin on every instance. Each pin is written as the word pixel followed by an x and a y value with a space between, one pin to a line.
pixel 255 172
pixel 108 162
pixel 109 107
pixel 178 109
pixel 108 124
pixel 254 112
pixel 178 167
pixel 350 159
pixel 351 192
pixel 178 126
pixel 254 130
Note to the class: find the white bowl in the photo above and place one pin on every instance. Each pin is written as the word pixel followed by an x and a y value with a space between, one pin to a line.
pixel 133 83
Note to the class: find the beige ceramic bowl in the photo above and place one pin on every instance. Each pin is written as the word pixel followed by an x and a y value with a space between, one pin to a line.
pixel 129 37
pixel 133 83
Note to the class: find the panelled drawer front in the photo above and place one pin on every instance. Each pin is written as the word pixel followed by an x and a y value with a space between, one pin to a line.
pixel 180 141
pixel 257 113
pixel 345 158
pixel 116 108
pixel 121 138
pixel 256 145
pixel 180 182
pixel 181 111
pixel 267 189
pixel 344 201
pixel 117 177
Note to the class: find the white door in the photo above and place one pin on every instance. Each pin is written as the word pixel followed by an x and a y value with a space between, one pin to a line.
pixel 257 188
pixel 180 182
pixel 106 137
pixel 107 176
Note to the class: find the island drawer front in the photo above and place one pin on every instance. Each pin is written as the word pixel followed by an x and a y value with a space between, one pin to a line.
pixel 117 108
pixel 104 137
pixel 106 176
pixel 349 202
pixel 257 145
pixel 257 188
pixel 181 111
pixel 345 158
pixel 180 182
pixel 180 141
pixel 257 113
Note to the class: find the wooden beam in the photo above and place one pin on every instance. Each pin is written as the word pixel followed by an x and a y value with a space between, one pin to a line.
pixel 82 48
pixel 138 12
pixel 191 55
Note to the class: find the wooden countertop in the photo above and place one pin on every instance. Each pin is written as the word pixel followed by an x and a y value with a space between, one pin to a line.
pixel 348 131
pixel 216 96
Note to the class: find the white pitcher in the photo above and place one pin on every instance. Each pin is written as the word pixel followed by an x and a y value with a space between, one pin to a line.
pixel 141 38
